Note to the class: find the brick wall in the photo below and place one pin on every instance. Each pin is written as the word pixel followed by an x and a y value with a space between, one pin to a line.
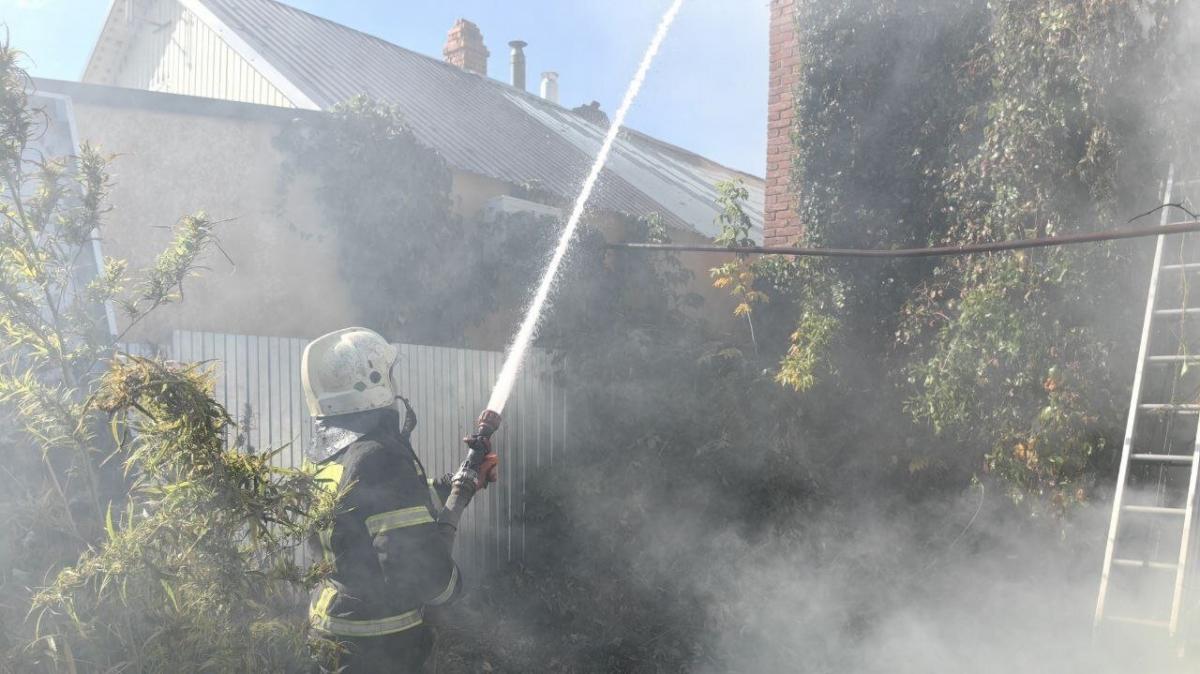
pixel 782 224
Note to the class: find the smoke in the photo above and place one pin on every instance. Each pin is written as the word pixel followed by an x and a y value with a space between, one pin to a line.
pixel 871 598
pixel 874 583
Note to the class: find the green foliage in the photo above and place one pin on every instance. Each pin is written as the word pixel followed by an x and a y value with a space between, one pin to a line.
pixel 738 276
pixel 734 221
pixel 160 549
pixel 880 95
pixel 163 282
pixel 810 343
pixel 1019 345
pixel 386 196
pixel 880 99
pixel 803 281
pixel 198 567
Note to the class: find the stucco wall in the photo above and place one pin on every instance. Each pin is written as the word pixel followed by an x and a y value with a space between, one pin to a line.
pixel 283 280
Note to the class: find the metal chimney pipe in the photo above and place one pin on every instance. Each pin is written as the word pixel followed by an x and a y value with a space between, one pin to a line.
pixel 550 86
pixel 518 63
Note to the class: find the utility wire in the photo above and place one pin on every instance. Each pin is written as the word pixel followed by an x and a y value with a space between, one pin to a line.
pixel 936 251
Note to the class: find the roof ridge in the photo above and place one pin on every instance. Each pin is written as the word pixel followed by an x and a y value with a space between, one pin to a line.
pixel 504 86
pixel 432 59
pixel 365 34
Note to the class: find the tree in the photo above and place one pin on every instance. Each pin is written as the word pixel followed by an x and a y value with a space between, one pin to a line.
pixel 161 549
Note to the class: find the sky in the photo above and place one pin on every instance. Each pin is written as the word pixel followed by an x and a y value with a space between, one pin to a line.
pixel 707 92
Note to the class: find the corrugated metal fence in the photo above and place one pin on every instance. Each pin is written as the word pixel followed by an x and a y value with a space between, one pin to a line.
pixel 258 381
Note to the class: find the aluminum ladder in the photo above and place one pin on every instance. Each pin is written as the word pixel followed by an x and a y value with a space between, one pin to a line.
pixel 1163 457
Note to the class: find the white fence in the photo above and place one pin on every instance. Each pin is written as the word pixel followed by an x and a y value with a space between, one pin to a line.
pixel 258 381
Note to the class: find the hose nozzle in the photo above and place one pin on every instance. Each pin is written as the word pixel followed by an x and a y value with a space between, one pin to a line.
pixel 488 423
pixel 480 441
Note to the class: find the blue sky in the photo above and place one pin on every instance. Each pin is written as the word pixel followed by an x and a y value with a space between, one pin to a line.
pixel 707 91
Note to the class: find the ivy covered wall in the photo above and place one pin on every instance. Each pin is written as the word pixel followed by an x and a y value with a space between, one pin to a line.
pixel 935 122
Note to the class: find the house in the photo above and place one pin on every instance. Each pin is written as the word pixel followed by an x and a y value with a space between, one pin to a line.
pixel 217 78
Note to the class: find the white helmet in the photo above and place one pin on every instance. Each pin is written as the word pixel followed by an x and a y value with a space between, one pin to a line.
pixel 348 371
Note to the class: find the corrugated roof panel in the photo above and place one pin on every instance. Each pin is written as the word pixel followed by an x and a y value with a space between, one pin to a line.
pixel 482 125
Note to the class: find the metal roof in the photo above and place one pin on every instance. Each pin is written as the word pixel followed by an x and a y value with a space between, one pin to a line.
pixel 482 125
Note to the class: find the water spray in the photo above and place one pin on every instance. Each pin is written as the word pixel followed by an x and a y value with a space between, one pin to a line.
pixel 520 344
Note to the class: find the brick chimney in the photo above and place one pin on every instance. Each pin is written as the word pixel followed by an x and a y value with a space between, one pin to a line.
pixel 781 224
pixel 464 47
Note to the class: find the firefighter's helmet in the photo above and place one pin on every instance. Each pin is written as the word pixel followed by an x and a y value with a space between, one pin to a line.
pixel 348 371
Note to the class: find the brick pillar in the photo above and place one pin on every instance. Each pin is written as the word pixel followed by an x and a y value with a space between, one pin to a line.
pixel 781 223
pixel 464 47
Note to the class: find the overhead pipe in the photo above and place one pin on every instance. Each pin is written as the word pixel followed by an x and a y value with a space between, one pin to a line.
pixel 935 251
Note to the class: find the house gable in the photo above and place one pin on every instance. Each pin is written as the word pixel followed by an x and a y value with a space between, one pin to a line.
pixel 177 46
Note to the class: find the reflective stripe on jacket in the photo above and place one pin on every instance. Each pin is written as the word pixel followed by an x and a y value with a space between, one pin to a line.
pixel 321 619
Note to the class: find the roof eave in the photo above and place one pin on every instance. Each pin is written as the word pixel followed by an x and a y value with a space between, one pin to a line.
pixel 100 39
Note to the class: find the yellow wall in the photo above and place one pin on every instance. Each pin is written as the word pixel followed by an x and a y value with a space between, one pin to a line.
pixel 470 192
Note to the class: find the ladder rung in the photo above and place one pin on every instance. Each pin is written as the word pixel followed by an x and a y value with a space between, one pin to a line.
pixel 1180 459
pixel 1144 564
pixel 1174 359
pixel 1187 266
pixel 1154 510
pixel 1170 407
pixel 1190 311
pixel 1138 621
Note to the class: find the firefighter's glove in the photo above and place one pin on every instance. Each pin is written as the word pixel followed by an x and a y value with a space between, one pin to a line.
pixel 479 476
pixel 489 471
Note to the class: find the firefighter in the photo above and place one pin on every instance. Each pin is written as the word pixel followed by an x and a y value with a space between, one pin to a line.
pixel 389 546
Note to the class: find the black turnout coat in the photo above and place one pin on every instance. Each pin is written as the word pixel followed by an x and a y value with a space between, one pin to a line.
pixel 388 561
